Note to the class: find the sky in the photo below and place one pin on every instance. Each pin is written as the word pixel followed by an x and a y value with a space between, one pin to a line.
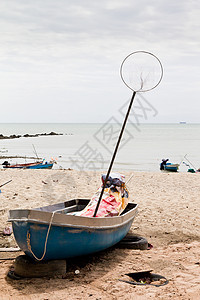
pixel 60 60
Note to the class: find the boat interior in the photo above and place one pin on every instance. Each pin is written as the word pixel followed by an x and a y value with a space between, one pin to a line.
pixel 75 205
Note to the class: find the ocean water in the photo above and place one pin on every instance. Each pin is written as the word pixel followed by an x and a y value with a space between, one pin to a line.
pixel 90 146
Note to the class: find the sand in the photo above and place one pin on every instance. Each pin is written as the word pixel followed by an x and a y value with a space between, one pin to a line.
pixel 168 217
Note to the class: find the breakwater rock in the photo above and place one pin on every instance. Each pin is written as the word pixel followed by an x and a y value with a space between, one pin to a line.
pixel 13 136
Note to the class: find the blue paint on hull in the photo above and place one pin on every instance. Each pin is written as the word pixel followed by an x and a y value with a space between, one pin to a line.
pixel 41 166
pixel 66 242
pixel 170 167
pixel 30 166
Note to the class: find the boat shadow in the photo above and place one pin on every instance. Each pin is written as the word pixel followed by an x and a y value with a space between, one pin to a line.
pixel 79 271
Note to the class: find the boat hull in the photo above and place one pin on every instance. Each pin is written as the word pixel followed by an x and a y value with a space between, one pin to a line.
pixel 41 166
pixel 69 236
pixel 22 166
pixel 171 167
pixel 31 166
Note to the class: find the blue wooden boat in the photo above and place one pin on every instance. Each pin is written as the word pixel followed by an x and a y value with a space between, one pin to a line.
pixel 35 165
pixel 6 165
pixel 171 167
pixel 50 232
pixel 41 166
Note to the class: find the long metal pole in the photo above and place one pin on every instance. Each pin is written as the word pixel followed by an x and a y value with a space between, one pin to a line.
pixel 115 152
pixel 190 162
pixel 5 183
pixel 35 152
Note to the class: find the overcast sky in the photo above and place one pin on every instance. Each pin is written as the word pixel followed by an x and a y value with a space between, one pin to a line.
pixel 60 60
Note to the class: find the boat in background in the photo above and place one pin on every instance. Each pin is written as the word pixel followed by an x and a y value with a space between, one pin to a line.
pixel 166 166
pixel 36 165
pixel 3 150
pixel 192 169
pixel 6 165
pixel 54 232
pixel 43 165
pixel 171 167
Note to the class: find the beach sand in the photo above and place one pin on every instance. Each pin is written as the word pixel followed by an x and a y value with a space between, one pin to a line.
pixel 168 217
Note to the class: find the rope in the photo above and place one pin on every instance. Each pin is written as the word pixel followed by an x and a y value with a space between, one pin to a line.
pixel 47 236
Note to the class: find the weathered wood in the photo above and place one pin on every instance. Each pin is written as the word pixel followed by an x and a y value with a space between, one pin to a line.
pixel 10 249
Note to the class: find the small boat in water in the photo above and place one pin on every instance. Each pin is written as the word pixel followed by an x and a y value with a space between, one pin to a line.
pixel 54 232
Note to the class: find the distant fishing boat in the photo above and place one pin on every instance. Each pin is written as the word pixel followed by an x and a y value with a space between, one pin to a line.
pixel 182 122
pixel 7 165
pixel 3 150
pixel 171 167
pixel 35 165
pixel 43 165
pixel 165 166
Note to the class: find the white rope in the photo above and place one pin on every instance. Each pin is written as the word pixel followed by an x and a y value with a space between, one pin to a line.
pixel 45 245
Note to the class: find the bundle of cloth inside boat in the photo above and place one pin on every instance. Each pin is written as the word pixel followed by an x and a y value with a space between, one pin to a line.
pixel 114 199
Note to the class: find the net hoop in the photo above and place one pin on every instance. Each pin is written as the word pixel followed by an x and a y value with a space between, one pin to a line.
pixel 141 90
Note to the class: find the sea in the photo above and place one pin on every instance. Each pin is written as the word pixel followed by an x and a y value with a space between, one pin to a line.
pixel 91 146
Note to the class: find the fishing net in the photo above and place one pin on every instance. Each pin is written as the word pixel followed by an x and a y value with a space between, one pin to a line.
pixel 141 71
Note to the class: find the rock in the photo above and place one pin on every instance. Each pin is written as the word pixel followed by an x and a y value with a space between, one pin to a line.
pixel 14 136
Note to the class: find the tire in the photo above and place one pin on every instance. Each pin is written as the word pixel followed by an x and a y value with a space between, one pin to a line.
pixel 138 276
pixel 26 267
pixel 133 242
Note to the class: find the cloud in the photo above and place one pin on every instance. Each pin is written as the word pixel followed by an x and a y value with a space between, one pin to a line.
pixel 66 52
